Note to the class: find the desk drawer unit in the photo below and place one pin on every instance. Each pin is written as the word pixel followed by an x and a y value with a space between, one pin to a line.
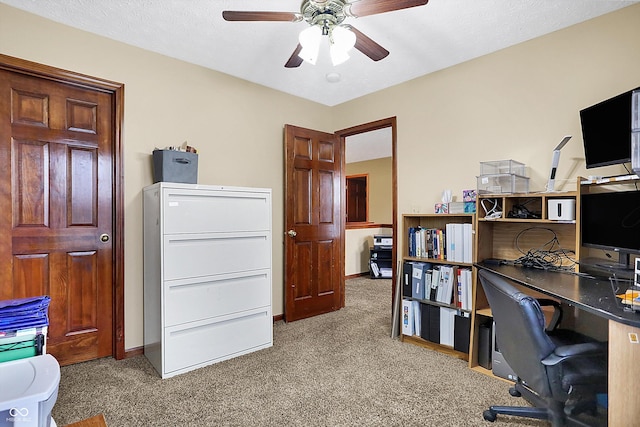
pixel 207 274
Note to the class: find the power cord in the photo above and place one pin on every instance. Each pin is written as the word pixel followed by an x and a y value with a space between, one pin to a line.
pixel 493 212
pixel 549 256
pixel 521 211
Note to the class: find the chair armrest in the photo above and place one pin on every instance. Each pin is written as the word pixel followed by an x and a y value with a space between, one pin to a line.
pixel 564 352
pixel 557 312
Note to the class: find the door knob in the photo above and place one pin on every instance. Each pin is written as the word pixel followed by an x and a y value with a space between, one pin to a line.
pixel 104 238
pixel 292 233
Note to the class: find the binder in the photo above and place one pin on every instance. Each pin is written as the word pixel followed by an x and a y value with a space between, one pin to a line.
pixel 407 317
pixel 407 273
pixel 435 283
pixel 424 321
pixel 434 324
pixel 417 280
pixel 447 316
pixel 467 232
pixel 461 332
pixel 417 322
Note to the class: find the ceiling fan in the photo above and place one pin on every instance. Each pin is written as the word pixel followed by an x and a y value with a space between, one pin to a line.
pixel 326 17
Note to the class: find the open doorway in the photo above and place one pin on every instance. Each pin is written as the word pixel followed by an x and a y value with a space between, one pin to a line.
pixel 370 151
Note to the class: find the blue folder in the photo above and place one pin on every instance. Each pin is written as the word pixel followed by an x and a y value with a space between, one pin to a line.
pixel 24 313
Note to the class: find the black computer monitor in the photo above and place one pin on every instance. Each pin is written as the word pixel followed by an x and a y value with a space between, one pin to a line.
pixel 606 131
pixel 611 221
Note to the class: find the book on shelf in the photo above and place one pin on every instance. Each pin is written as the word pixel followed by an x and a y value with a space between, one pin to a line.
pixel 453 243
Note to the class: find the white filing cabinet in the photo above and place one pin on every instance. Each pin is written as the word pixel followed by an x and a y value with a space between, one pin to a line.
pixel 207 274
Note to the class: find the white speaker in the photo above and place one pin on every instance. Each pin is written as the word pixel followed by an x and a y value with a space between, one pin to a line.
pixel 561 209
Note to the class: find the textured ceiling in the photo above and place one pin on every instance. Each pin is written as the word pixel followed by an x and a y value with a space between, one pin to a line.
pixel 421 40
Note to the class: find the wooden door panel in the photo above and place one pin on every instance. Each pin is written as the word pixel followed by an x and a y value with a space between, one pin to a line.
pixel 82 116
pixel 30 171
pixel 83 185
pixel 303 255
pixel 83 292
pixel 302 188
pixel 29 108
pixel 30 275
pixel 326 201
pixel 326 254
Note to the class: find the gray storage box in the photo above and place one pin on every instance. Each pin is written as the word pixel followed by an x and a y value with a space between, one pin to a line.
pixel 175 166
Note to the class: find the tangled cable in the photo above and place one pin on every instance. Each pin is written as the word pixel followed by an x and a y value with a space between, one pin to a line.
pixel 550 256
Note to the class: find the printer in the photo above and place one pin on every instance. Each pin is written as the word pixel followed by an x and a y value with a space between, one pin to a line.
pixel 381 241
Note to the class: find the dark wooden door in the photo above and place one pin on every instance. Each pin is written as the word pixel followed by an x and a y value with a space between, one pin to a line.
pixel 314 280
pixel 56 193
pixel 357 199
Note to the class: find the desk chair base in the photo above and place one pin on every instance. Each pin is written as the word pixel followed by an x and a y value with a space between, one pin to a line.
pixel 554 412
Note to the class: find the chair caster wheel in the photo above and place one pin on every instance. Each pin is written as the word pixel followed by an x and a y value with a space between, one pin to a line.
pixel 513 392
pixel 489 415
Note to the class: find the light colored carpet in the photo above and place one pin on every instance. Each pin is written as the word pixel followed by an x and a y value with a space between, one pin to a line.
pixel 337 369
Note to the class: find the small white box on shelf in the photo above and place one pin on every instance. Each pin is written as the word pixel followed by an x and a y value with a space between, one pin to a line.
pixel 502 167
pixel 562 209
pixel 502 183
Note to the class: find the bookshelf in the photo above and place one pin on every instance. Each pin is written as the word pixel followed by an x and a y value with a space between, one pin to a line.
pixel 428 305
pixel 521 222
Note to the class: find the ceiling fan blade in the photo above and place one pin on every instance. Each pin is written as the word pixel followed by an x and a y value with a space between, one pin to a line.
pixel 232 15
pixel 367 46
pixel 295 60
pixel 373 7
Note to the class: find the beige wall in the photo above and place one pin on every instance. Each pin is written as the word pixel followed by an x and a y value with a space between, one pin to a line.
pixel 380 187
pixel 237 127
pixel 516 103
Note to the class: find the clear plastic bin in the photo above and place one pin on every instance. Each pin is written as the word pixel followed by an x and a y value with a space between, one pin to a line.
pixel 502 183
pixel 502 167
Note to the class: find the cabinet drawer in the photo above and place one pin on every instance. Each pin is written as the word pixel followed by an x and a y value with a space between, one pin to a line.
pixel 202 211
pixel 197 255
pixel 191 300
pixel 206 341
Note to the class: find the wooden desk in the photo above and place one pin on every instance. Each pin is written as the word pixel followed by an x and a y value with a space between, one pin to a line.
pixel 595 296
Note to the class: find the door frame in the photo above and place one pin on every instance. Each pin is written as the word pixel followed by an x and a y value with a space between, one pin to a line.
pixel 116 90
pixel 368 127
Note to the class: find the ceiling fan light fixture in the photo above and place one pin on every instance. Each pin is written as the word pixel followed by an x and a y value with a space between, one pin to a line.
pixel 338 55
pixel 309 39
pixel 342 40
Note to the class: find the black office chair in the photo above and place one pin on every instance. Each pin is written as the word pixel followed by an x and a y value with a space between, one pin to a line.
pixel 559 372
